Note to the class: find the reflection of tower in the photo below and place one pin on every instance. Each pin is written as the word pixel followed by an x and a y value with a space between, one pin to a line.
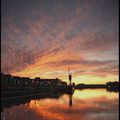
pixel 70 101
pixel 70 76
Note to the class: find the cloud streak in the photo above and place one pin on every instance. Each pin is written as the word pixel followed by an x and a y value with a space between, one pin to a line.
pixel 53 36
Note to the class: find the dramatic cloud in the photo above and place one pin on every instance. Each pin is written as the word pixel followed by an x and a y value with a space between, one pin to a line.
pixel 41 37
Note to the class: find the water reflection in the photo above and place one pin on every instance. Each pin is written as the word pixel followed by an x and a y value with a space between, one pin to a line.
pixel 70 101
pixel 97 104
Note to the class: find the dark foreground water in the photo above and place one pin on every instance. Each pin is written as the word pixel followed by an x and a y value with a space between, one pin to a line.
pixel 87 104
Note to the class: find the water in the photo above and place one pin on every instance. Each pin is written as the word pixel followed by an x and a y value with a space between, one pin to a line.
pixel 87 104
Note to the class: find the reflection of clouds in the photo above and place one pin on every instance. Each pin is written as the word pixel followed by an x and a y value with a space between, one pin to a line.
pixel 93 108
pixel 94 94
pixel 99 108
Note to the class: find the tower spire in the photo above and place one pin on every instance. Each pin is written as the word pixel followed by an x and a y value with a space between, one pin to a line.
pixel 70 76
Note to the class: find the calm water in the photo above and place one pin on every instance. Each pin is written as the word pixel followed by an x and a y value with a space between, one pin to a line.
pixel 88 104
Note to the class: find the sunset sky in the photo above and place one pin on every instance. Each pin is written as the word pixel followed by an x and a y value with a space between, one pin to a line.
pixel 42 38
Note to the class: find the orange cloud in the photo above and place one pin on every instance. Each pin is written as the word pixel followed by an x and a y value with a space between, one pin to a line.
pixel 45 44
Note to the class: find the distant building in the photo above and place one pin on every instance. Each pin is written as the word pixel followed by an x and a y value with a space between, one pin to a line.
pixel 9 82
pixel 112 85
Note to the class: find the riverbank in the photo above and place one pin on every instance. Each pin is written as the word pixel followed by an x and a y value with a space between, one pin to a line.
pixel 8 95
pixel 8 102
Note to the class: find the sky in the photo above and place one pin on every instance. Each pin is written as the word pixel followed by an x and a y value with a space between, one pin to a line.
pixel 42 38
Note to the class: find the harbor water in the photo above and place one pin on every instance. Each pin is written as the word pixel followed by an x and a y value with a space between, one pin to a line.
pixel 86 104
